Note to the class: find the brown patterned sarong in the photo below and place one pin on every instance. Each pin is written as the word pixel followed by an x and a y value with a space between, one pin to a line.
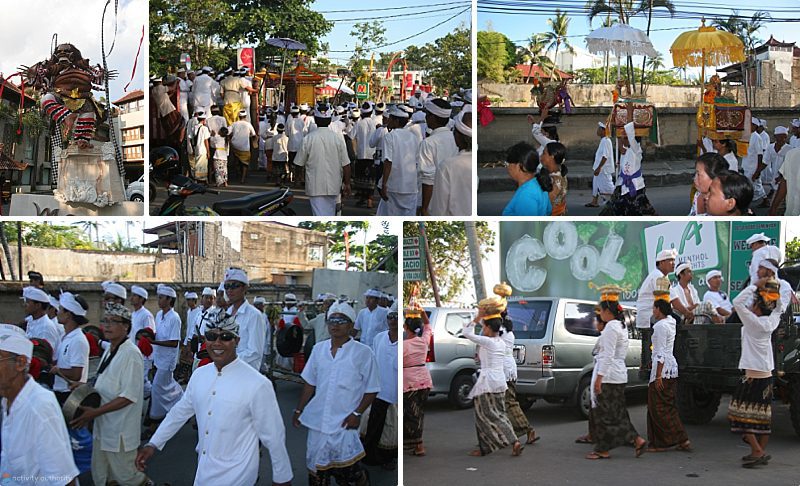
pixel 612 424
pixel 413 416
pixel 493 427
pixel 750 411
pixel 664 426
pixel 518 419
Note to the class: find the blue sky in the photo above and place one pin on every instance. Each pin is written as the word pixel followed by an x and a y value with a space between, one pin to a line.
pixel 518 27
pixel 421 15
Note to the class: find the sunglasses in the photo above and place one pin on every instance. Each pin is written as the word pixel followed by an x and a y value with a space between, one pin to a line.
pixel 233 285
pixel 338 321
pixel 392 315
pixel 224 335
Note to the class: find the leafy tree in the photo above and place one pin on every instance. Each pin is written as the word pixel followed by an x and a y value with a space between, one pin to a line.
pixel 533 53
pixel 793 250
pixel 52 236
pixel 448 246
pixel 451 61
pixel 376 250
pixel 368 35
pixel 655 63
pixel 496 53
pixel 745 29
pixel 648 6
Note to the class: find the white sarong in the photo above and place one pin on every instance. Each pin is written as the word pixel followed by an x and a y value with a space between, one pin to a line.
pixel 323 205
pixel 327 451
pixel 165 393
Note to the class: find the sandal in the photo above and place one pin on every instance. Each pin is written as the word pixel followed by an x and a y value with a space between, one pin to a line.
pixel 584 439
pixel 639 449
pixel 594 456
pixel 517 450
pixel 750 457
pixel 685 447
pixel 759 461
pixel 475 453
pixel 532 437
pixel 418 452
pixel 590 205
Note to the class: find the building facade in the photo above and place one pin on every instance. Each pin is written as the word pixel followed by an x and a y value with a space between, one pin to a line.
pixel 131 116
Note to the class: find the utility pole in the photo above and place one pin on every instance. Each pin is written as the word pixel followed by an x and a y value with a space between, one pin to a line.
pixel 475 260
pixel 431 269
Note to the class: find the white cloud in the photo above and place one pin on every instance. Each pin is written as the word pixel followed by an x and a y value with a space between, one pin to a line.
pixel 26 34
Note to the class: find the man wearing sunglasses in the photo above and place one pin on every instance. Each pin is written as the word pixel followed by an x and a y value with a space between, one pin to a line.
pixel 342 376
pixel 165 391
pixel 235 408
pixel 252 323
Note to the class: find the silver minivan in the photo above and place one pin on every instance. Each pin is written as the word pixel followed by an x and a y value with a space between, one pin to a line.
pixel 553 349
pixel 451 357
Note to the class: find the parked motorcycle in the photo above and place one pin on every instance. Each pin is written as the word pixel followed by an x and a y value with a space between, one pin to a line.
pixel 258 204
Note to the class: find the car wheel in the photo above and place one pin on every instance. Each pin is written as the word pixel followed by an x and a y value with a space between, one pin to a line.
pixel 583 397
pixel 696 405
pixel 459 390
pixel 137 198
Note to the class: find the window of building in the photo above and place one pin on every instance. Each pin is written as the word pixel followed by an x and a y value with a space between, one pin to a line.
pixel 133 152
pixel 315 253
pixel 132 134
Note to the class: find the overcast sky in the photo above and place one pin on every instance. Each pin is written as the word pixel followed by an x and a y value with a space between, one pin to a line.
pixel 27 28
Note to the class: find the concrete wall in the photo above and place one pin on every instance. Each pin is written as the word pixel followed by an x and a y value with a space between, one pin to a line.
pixel 578 131
pixel 776 92
pixel 272 248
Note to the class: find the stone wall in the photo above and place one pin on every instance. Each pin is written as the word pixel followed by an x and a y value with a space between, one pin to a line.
pixel 273 248
pixel 678 131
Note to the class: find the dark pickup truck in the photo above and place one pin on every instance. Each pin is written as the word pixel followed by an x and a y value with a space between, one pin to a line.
pixel 708 361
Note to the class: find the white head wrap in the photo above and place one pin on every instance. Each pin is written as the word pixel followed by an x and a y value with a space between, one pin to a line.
pixel 342 308
pixel 373 293
pixel 259 300
pixel 768 265
pixel 460 125
pixel 140 291
pixel 166 290
pixel 190 295
pixel 209 291
pixel 304 107
pixel 236 274
pixel 712 274
pixel 38 295
pixel 666 255
pixel 290 298
pixel 436 110
pixel 67 301
pixel 755 121
pixel 796 123
pixel 418 117
pixel 322 110
pixel 682 267
pixel 601 125
pixel 116 290
pixel 758 237
pixel 779 130
pixel 54 302
pixel 397 112
pixel 14 340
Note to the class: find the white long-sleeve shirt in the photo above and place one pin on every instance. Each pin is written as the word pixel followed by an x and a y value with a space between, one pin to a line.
pixel 434 150
pixel 361 135
pixel 492 355
pixel 756 333
pixel 453 183
pixel 509 365
pixel 769 251
pixel 324 155
pixel 296 130
pixel 663 341
pixel 35 439
pixel 645 300
pixel 631 162
pixel 340 384
pixel 370 323
pixel 386 358
pixel 252 334
pixel 540 137
pixel 754 149
pixel 400 148
pixel 139 320
pixel 43 328
pixel 613 349
pixel 236 409
pixel 202 90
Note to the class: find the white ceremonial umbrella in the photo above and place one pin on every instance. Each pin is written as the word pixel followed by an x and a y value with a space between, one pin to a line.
pixel 285 43
pixel 621 40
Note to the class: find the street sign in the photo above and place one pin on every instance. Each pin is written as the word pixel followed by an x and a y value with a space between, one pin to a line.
pixel 362 91
pixel 413 260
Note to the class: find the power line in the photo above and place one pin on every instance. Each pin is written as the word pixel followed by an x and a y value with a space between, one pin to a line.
pixel 414 35
pixel 460 3
pixel 390 18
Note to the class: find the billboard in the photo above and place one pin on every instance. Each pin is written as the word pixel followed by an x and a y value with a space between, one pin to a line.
pixel 572 258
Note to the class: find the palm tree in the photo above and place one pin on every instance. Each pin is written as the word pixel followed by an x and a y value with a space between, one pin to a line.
pixel 608 22
pixel 88 226
pixel 656 63
pixel 745 29
pixel 559 25
pixel 648 6
pixel 623 10
pixel 534 53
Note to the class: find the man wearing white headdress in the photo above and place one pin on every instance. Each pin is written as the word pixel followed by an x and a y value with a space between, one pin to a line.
pixel 361 134
pixel 317 324
pixel 665 264
pixel 165 392
pixel 35 439
pixel 40 326
pixel 202 97
pixel 452 195
pixel 794 141
pixel 72 356
pixel 399 184
pixel 185 87
pixel 371 319
pixel 760 245
pixel 435 149
pixel 323 154
pixel 142 318
pixel 753 162
pixel 775 154
pixel 242 137
pixel 252 323
pixel 342 376
pixel 603 167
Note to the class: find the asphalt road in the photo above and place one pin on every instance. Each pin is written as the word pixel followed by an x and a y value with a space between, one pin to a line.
pixel 177 463
pixel 556 459
pixel 257 182
pixel 668 201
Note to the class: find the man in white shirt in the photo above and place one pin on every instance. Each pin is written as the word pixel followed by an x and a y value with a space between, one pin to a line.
pixel 774 157
pixel 247 91
pixel 788 186
pixel 760 245
pixel 371 319
pixel 665 264
pixel 768 269
pixel 40 326
pixel 264 139
pixel 201 91
pixel 766 174
pixel 252 323
pixel 185 87
pixel 242 136
pixel 216 121
pixel 363 182
pixel 193 326
pixel 382 450
pixel 327 168
pixel 201 148
pixel 342 376
pixel 720 301
pixel 142 318
pixel 280 155
pixel 452 195
pixel 72 355
pixel 35 440
pixel 753 162
pixel 165 392
pixel 231 89
pixel 435 149
pixel 296 130
pixel 317 325
pixel 603 167
pixel 794 141
pixel 399 185
pixel 236 409
pixel 193 311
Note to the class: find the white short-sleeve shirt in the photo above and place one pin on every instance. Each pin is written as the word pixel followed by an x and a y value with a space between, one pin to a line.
pixel 73 352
